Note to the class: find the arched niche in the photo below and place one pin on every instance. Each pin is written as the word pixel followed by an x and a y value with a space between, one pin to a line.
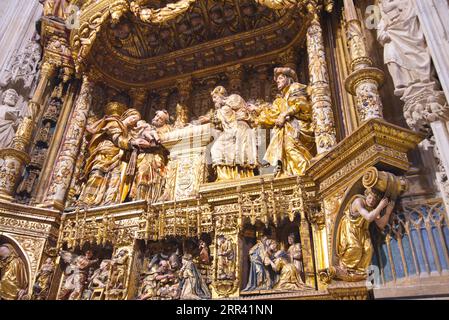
pixel 356 188
pixel 6 239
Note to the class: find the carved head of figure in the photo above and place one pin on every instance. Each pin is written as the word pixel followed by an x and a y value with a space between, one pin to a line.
pixel 10 97
pixel 161 118
pixel 272 246
pixel 122 252
pixel 291 239
pixel 105 264
pixel 221 238
pixel 218 96
pixel 187 259
pixel 372 197
pixel 89 254
pixel 284 77
pixel 131 117
pixel 164 266
pixel 5 251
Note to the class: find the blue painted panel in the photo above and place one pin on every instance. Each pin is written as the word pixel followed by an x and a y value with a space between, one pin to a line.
pixel 428 249
pixel 383 255
pixel 418 250
pixel 441 248
pixel 408 253
pixel 397 261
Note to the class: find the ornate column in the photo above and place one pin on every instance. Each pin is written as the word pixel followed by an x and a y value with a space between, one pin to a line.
pixel 184 86
pixel 64 167
pixel 323 116
pixel 365 80
pixel 16 157
pixel 235 78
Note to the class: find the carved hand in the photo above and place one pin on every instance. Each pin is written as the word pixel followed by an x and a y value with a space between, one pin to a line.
pixel 384 203
pixel 280 122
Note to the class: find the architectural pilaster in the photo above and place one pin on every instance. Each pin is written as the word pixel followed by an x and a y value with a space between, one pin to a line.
pixel 16 157
pixel 365 80
pixel 235 78
pixel 185 87
pixel 64 167
pixel 139 97
pixel 323 116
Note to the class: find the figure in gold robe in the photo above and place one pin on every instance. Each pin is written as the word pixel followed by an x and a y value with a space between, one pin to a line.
pixel 13 274
pixel 43 280
pixel 149 180
pixel 234 153
pixel 106 167
pixel 290 118
pixel 288 277
pixel 55 8
pixel 354 248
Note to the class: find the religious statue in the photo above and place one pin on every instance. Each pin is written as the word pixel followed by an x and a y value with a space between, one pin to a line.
pixel 226 258
pixel 160 15
pixel 76 274
pixel 295 253
pixel 105 170
pixel 405 48
pixel 161 281
pixel 234 153
pixel 9 117
pixel 99 279
pixel 290 117
pixel 151 163
pixel 43 280
pixel 55 8
pixel 354 248
pixel 182 118
pixel 119 266
pixel 13 274
pixel 288 278
pixel 192 285
pixel 261 275
pixel 204 252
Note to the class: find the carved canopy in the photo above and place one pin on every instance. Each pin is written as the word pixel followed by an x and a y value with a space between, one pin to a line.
pixel 149 43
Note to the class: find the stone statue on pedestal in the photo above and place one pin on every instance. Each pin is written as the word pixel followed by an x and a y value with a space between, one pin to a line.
pixel 9 117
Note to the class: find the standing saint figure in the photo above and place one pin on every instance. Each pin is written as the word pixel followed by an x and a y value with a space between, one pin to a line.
pixel 226 258
pixel 234 153
pixel 149 180
pixel 261 275
pixel 43 280
pixel 9 117
pixel 295 253
pixel 405 48
pixel 290 118
pixel 13 274
pixel 105 169
pixel 76 274
pixel 354 247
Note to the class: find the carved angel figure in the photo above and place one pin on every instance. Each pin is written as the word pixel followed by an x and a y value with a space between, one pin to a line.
pixel 159 16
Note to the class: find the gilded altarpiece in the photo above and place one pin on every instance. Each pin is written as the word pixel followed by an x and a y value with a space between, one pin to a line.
pixel 130 110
